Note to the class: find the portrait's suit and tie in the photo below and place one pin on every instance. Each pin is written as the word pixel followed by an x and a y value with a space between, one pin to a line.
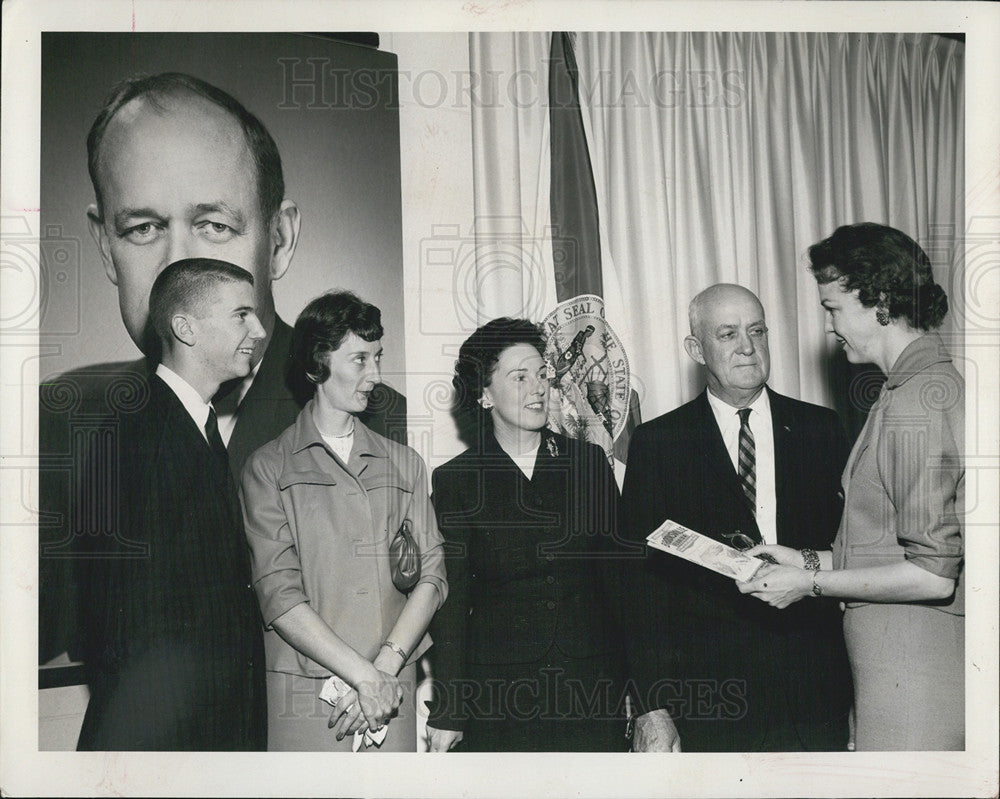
pixel 734 675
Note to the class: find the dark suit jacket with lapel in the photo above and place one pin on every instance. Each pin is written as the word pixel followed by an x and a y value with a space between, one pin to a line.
pixel 731 669
pixel 527 563
pixel 172 630
pixel 77 412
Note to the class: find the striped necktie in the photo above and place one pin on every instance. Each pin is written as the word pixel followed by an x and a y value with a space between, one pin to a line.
pixel 748 460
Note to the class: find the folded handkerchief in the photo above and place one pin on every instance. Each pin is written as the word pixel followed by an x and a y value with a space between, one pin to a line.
pixel 333 690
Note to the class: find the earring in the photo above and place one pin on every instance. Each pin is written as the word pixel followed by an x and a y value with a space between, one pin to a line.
pixel 882 316
pixel 484 403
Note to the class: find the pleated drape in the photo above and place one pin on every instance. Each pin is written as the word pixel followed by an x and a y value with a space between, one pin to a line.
pixel 720 157
pixel 723 156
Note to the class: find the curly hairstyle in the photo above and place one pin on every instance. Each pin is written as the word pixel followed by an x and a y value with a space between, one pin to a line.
pixel 886 267
pixel 322 327
pixel 157 90
pixel 478 356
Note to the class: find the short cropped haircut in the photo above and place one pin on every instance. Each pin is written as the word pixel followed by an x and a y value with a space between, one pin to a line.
pixel 881 262
pixel 479 354
pixel 185 285
pixel 322 327
pixel 155 90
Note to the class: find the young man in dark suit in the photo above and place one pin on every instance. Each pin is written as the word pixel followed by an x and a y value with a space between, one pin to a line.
pixel 711 671
pixel 172 630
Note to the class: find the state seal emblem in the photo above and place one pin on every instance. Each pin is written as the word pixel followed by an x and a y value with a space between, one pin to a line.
pixel 590 387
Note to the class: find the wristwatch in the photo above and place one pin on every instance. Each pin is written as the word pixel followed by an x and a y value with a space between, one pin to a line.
pixel 817 591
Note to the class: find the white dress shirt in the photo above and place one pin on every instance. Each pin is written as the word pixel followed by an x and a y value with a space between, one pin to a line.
pixel 196 407
pixel 728 419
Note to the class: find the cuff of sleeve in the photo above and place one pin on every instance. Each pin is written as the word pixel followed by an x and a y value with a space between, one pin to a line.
pixel 439 583
pixel 441 719
pixel 948 566
pixel 277 596
pixel 638 704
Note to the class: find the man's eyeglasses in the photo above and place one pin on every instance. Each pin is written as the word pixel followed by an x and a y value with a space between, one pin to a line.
pixel 742 542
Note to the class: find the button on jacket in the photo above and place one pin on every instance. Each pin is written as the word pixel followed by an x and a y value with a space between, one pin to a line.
pixel 319 532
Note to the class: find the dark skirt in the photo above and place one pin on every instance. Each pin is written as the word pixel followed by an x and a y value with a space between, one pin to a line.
pixel 555 704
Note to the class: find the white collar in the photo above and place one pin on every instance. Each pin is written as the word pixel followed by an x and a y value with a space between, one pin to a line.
pixel 196 407
pixel 725 413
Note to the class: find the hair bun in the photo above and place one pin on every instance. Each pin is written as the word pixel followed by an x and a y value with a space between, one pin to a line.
pixel 932 305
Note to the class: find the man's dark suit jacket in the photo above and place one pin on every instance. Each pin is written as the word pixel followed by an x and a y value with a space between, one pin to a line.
pixel 77 411
pixel 735 673
pixel 171 628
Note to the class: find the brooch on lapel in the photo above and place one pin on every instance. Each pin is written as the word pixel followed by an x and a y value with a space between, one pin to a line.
pixel 552 446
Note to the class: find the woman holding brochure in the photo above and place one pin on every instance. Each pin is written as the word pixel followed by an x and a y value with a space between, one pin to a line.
pixel 898 556
pixel 331 508
pixel 526 657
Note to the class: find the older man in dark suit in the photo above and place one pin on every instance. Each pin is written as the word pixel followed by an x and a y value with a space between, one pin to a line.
pixel 174 648
pixel 740 463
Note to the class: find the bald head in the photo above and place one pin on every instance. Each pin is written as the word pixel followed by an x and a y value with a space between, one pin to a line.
pixel 180 171
pixel 721 294
pixel 729 338
pixel 160 92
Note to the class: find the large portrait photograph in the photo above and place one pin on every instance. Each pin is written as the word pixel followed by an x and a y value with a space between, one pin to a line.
pixel 487 389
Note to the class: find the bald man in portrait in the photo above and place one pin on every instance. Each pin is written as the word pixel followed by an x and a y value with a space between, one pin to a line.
pixel 180 169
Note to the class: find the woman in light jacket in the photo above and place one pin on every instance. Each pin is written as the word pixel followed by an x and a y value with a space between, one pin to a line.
pixel 322 503
pixel 897 559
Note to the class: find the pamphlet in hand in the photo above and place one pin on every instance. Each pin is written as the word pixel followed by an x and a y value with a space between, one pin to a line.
pixel 684 543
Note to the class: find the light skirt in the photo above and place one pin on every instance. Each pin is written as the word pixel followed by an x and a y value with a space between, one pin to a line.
pixel 908 663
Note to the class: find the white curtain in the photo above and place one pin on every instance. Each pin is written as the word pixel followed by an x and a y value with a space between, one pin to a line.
pixel 723 156
pixel 719 157
pixel 514 274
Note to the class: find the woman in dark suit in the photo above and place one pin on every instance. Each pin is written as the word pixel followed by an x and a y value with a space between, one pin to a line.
pixel 898 555
pixel 526 656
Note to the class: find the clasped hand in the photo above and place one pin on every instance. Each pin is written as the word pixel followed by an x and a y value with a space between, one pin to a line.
pixel 372 702
pixel 780 584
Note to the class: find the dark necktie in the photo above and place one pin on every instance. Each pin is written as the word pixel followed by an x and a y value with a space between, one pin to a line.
pixel 747 460
pixel 214 439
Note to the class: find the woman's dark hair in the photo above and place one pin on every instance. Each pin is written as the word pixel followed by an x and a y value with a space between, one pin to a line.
pixel 322 327
pixel 478 356
pixel 886 267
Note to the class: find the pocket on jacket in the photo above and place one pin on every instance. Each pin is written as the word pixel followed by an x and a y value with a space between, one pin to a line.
pixel 306 477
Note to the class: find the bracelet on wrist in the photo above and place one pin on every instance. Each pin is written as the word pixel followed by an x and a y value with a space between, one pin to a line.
pixel 817 591
pixel 395 648
pixel 810 559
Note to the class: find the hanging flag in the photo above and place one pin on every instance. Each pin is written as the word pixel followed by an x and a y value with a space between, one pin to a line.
pixel 594 400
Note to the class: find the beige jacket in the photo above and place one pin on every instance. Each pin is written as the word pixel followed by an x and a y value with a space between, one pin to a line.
pixel 319 532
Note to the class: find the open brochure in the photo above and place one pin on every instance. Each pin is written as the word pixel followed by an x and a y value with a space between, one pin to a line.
pixel 684 543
